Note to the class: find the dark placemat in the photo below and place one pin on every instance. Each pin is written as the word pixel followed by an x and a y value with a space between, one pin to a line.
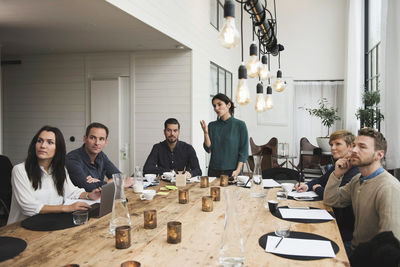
pixel 278 215
pixel 10 247
pixel 48 222
pixel 262 241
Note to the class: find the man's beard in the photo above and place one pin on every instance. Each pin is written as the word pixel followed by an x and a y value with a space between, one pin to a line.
pixel 365 162
pixel 171 142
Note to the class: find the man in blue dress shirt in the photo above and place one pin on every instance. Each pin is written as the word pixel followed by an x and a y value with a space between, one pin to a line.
pixel 172 154
pixel 88 165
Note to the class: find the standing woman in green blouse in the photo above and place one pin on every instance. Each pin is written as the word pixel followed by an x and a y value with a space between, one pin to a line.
pixel 226 139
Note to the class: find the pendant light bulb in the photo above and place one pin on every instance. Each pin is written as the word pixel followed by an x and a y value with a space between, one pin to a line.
pixel 242 91
pixel 269 104
pixel 229 35
pixel 263 71
pixel 260 105
pixel 253 64
pixel 279 85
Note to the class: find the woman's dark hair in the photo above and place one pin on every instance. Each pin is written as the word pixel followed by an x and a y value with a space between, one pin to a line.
pixel 225 99
pixel 57 163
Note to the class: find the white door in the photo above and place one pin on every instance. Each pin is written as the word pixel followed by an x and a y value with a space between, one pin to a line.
pixel 109 101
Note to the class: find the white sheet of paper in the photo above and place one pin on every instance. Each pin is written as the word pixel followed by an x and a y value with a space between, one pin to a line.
pixel 300 247
pixel 270 183
pixel 196 179
pixel 303 194
pixel 315 214
pixel 70 201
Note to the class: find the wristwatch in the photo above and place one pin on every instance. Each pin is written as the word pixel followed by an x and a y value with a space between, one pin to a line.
pixel 87 196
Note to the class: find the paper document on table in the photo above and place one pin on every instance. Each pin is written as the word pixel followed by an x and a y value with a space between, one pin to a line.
pixel 270 183
pixel 300 247
pixel 70 201
pixel 196 179
pixel 302 194
pixel 314 214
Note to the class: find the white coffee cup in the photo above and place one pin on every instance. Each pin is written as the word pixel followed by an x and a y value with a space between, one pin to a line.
pixel 242 179
pixel 288 187
pixel 150 177
pixel 168 175
pixel 147 194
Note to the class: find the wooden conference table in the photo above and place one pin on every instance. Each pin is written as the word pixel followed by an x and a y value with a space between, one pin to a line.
pixel 92 245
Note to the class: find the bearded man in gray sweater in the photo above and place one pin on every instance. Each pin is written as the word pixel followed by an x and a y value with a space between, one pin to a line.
pixel 374 193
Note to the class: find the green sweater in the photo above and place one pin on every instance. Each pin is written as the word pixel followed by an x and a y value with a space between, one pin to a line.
pixel 376 204
pixel 229 143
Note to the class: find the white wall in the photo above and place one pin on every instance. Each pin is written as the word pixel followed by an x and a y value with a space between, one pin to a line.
pixel 162 90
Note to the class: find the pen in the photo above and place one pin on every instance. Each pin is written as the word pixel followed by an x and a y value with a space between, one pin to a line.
pixel 279 242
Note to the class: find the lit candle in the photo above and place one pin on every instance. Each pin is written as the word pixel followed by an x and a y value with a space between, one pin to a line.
pixel 215 193
pixel 174 232
pixel 150 219
pixel 123 237
pixel 224 180
pixel 207 203
pixel 183 196
pixel 203 181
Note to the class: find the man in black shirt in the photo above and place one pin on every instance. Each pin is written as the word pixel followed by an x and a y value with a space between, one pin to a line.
pixel 172 154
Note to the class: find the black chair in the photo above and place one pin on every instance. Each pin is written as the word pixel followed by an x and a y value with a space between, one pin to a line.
pixel 280 174
pixel 5 188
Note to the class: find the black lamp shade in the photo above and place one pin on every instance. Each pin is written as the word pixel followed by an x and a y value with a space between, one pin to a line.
pixel 253 49
pixel 260 88
pixel 264 60
pixel 242 72
pixel 279 74
pixel 269 90
pixel 229 9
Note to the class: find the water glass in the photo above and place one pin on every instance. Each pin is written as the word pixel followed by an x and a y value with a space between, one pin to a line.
pixel 80 217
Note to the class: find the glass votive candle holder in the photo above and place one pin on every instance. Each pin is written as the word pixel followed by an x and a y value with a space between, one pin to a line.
pixel 150 219
pixel 207 203
pixel 174 232
pixel 224 180
pixel 183 196
pixel 123 237
pixel 130 264
pixel 215 193
pixel 203 181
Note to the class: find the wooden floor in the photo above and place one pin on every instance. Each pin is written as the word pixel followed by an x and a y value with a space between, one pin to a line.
pixel 92 245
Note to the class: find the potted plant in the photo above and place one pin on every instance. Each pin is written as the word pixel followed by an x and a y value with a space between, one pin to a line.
pixel 370 115
pixel 328 116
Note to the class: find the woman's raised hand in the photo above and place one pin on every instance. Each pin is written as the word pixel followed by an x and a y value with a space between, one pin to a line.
pixel 204 126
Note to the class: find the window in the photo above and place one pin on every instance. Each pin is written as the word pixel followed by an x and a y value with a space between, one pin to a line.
pixel 372 44
pixel 216 13
pixel 372 33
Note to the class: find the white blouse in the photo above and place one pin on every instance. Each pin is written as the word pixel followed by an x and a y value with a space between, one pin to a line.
pixel 26 201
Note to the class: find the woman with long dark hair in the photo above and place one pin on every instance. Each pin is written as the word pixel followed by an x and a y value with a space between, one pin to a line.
pixel 41 183
pixel 226 139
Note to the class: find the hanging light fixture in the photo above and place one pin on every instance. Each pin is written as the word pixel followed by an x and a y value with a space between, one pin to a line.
pixel 253 64
pixel 279 85
pixel 269 104
pixel 229 35
pixel 263 71
pixel 242 91
pixel 260 105
pixel 265 29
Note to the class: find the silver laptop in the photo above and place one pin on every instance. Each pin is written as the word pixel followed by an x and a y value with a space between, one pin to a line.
pixel 106 203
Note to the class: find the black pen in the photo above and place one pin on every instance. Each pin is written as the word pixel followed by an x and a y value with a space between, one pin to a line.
pixel 279 242
pixel 248 180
